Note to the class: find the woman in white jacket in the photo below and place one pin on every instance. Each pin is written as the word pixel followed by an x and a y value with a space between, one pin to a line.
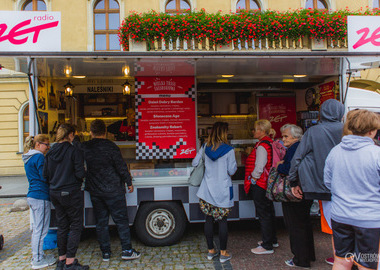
pixel 216 192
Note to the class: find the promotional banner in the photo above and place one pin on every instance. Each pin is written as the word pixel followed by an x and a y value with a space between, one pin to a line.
pixel 165 117
pixel 164 67
pixel 363 33
pixel 279 111
pixel 30 31
pixel 326 91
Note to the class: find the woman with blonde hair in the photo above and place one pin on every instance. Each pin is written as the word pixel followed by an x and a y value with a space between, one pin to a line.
pixel 257 167
pixel 35 147
pixel 215 192
pixel 64 170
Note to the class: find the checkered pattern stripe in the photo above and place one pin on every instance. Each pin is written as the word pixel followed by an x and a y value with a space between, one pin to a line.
pixel 243 205
pixel 138 85
pixel 138 67
pixel 143 151
pixel 191 93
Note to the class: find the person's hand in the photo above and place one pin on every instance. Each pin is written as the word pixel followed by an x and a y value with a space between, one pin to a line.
pixel 297 192
pixel 130 189
pixel 278 163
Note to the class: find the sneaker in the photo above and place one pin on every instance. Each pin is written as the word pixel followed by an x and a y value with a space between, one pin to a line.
pixel 130 254
pixel 76 266
pixel 50 259
pixel 106 256
pixel 223 258
pixel 211 256
pixel 276 245
pixel 290 263
pixel 60 265
pixel 260 251
pixel 40 264
pixel 330 261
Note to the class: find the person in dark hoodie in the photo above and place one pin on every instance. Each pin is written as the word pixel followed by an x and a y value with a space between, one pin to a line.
pixel 35 148
pixel 107 174
pixel 64 171
pixel 306 172
pixel 215 192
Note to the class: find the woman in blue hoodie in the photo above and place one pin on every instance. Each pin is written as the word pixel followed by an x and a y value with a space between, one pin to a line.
pixel 38 196
pixel 215 192
pixel 352 174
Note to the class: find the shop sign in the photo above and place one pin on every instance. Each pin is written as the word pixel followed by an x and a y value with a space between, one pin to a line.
pixel 30 31
pixel 279 111
pixel 326 91
pixel 165 117
pixel 98 89
pixel 168 67
pixel 363 33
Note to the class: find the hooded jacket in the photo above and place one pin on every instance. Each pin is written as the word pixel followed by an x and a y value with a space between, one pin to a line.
pixel 309 160
pixel 220 165
pixel 33 164
pixel 352 173
pixel 107 172
pixel 64 167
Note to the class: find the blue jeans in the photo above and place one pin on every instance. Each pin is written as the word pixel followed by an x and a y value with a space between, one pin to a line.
pixel 117 207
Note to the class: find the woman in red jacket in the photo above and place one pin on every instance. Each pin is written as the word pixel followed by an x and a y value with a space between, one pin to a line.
pixel 257 167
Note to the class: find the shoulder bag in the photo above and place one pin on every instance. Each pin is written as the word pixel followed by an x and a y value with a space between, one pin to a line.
pixel 279 189
pixel 196 175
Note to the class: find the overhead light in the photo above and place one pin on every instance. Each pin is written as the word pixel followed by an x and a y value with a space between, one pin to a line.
pixel 126 88
pixel 68 70
pixel 287 80
pixel 79 76
pixel 228 76
pixel 222 81
pixel 69 87
pixel 299 76
pixel 126 70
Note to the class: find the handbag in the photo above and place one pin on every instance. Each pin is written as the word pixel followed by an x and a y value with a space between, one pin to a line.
pixel 196 175
pixel 278 189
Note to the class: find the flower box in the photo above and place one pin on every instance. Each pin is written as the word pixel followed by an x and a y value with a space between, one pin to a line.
pixel 137 46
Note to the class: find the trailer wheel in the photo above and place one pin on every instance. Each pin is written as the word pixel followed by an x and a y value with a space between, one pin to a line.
pixel 160 223
pixel 1 241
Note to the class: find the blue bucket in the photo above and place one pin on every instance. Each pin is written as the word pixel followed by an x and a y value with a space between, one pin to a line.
pixel 50 241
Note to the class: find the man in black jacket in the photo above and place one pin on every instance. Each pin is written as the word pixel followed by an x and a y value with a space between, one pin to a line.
pixel 106 177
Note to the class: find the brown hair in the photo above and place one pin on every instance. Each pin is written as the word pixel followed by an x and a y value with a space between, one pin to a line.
pixel 360 122
pixel 98 127
pixel 30 141
pixel 218 135
pixel 264 125
pixel 63 131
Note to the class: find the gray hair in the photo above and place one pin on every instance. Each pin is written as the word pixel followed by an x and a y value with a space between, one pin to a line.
pixel 295 130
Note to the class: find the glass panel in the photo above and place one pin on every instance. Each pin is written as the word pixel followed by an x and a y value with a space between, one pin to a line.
pixel 26 111
pixel 113 4
pixel 100 5
pixel 113 21
pixel 114 42
pixel 171 5
pixel 100 21
pixel 184 5
pixel 321 5
pixel 376 4
pixel 100 43
pixel 309 4
pixel 41 5
pixel 253 5
pixel 240 4
pixel 26 126
pixel 162 172
pixel 28 6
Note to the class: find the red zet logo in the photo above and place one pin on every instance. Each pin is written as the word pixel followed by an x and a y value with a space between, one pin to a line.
pixel 21 29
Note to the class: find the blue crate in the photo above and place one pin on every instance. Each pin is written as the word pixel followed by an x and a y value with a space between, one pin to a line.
pixel 50 241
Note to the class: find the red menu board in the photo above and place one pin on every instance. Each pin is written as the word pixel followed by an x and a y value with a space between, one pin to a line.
pixel 326 91
pixel 279 111
pixel 165 117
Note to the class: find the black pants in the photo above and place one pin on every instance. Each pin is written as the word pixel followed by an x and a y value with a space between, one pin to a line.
pixel 265 212
pixel 297 220
pixel 69 215
pixel 117 207
pixel 223 232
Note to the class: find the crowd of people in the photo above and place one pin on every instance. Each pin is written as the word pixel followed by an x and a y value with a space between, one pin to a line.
pixel 337 164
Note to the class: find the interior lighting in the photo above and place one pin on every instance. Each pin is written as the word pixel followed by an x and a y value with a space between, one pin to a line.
pixel 79 76
pixel 299 76
pixel 126 88
pixel 68 70
pixel 69 87
pixel 126 70
pixel 222 81
pixel 287 80
pixel 228 76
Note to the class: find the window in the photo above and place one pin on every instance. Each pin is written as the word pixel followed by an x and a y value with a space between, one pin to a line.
pixel 25 122
pixel 34 5
pixel 376 4
pixel 316 4
pixel 247 5
pixel 177 6
pixel 106 25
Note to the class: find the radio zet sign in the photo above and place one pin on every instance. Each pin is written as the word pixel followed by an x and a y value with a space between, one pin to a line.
pixel 363 33
pixel 30 31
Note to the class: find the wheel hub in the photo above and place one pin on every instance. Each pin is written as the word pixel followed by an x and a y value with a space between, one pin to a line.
pixel 160 223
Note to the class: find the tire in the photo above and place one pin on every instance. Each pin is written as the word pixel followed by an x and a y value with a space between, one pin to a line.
pixel 1 241
pixel 160 223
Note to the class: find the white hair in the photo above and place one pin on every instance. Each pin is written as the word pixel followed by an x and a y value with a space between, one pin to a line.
pixel 295 130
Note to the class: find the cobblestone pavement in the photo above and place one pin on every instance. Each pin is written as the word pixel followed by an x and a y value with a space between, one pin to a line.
pixel 190 253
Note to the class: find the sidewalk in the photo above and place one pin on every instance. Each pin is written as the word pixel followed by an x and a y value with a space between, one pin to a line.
pixel 13 186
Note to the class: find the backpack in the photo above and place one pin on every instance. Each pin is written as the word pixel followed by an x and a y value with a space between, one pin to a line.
pixel 278 152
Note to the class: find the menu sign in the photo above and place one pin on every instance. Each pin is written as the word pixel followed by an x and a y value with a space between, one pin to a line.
pixel 279 111
pixel 326 91
pixel 165 117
